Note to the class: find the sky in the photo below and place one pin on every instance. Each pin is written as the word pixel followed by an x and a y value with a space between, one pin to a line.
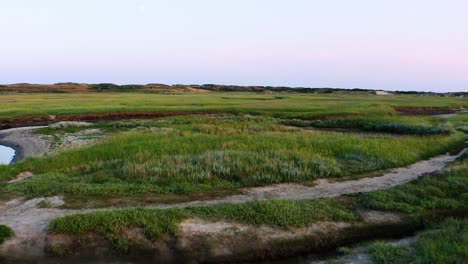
pixel 388 44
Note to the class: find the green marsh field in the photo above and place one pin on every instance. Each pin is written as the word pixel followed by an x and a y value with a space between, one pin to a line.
pixel 287 105
pixel 212 145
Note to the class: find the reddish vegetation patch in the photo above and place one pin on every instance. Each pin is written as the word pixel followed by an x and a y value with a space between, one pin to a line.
pixel 428 110
pixel 46 120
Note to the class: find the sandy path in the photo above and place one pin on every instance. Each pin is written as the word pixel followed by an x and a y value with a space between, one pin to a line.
pixel 30 226
pixel 30 222
pixel 24 142
pixel 324 189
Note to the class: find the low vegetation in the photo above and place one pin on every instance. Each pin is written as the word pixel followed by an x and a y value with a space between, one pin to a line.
pixel 446 244
pixel 281 213
pixel 383 253
pixel 379 125
pixel 301 106
pixel 155 222
pixel 238 140
pixel 5 232
pixel 209 153
pixel 428 193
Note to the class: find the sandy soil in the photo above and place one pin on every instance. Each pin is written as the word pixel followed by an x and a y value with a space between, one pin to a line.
pixel 24 142
pixel 28 144
pixel 29 224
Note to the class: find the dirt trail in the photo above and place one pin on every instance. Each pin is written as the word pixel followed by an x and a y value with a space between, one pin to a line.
pixel 324 189
pixel 30 222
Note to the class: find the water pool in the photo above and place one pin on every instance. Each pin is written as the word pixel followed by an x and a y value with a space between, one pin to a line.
pixel 6 155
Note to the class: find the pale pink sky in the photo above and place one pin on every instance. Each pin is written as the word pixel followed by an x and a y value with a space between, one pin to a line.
pixel 395 45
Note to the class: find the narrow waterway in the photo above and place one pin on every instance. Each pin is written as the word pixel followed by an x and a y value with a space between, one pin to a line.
pixel 6 155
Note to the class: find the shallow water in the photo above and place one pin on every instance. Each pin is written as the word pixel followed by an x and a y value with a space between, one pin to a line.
pixel 6 155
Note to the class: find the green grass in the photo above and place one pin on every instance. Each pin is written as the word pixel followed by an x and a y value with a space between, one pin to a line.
pixel 428 193
pixel 190 154
pixel 383 253
pixel 156 222
pixel 194 154
pixel 247 146
pixel 5 232
pixel 447 244
pixel 277 213
pixel 111 224
pixel 280 213
pixel 292 106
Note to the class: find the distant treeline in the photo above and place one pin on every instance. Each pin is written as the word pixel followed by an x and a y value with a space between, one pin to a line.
pixel 259 89
pixel 70 87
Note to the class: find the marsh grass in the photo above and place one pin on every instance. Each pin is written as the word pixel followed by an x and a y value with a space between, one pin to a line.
pixel 446 244
pixel 5 232
pixel 443 191
pixel 156 222
pixel 383 253
pixel 169 161
pixel 284 214
pixel 190 154
pixel 280 213
pixel 303 106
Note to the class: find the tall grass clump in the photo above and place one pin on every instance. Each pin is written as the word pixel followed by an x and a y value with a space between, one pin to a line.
pixel 5 232
pixel 69 124
pixel 383 253
pixel 112 224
